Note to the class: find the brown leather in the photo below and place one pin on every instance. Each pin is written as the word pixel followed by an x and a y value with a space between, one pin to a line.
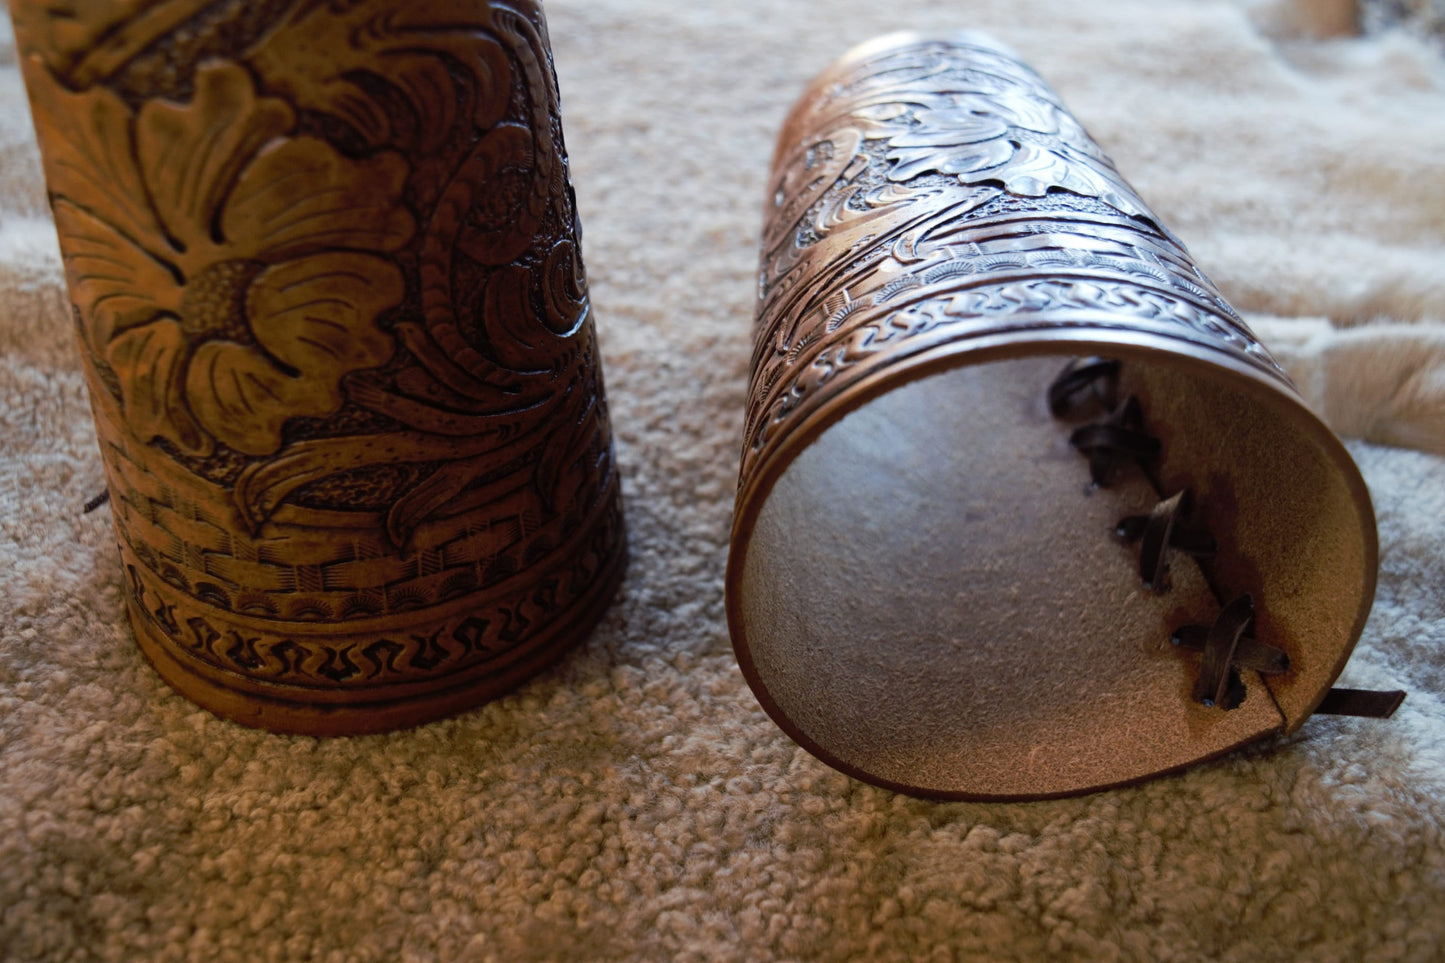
pixel 931 587
pixel 1364 703
pixel 324 264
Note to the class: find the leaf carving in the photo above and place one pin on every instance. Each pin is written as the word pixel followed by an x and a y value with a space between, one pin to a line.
pixel 405 49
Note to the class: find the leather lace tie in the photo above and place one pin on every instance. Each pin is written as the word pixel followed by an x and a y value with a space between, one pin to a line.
pixel 1118 440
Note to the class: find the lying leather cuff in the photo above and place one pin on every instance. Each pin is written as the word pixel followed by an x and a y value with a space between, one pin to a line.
pixel 1025 509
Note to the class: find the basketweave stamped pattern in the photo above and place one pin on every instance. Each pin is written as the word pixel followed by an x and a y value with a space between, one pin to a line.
pixel 937 192
pixel 324 266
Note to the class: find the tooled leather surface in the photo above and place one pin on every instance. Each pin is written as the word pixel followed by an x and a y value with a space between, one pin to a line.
pixel 324 265
pixel 928 192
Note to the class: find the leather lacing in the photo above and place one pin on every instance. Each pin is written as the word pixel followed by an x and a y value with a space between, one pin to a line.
pixel 1119 440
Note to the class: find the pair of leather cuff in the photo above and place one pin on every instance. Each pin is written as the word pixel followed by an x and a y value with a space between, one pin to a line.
pixel 1024 507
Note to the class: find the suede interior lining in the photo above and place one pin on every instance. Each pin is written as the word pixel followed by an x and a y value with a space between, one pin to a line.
pixel 932 597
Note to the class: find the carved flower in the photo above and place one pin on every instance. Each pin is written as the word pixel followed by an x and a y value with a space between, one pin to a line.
pixel 224 266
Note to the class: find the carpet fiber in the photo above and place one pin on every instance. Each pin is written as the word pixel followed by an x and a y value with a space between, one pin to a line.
pixel 635 802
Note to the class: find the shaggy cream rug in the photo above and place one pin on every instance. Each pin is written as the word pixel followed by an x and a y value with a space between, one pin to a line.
pixel 635 802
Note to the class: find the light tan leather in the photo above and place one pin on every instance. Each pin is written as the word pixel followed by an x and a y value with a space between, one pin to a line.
pixel 931 597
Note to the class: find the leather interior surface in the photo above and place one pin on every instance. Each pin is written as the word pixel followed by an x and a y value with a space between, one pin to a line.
pixel 934 599
pixel 1301 540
